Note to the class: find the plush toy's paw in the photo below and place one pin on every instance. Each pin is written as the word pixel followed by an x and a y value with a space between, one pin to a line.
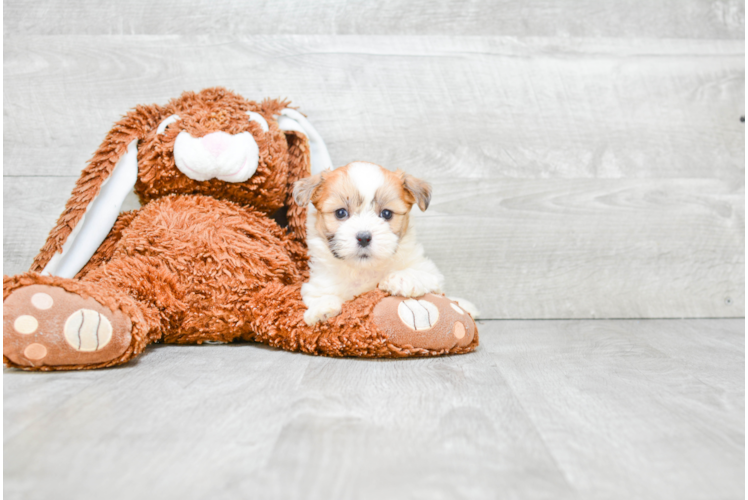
pixel 431 322
pixel 410 283
pixel 48 326
pixel 322 309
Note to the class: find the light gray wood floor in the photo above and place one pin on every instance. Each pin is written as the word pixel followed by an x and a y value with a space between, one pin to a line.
pixel 544 409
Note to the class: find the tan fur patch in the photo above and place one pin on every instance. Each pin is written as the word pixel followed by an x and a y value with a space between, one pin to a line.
pixel 334 192
pixel 393 196
pixel 337 191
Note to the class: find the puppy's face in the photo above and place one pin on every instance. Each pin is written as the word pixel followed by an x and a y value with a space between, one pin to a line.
pixel 362 209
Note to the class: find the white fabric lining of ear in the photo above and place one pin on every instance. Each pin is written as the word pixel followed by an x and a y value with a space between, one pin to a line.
pixel 257 117
pixel 168 121
pixel 290 119
pixel 99 218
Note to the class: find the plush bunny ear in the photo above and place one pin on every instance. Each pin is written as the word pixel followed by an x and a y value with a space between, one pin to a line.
pixel 307 155
pixel 97 196
pixel 290 119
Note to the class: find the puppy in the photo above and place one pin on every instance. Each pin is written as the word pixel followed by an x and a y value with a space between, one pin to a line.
pixel 359 237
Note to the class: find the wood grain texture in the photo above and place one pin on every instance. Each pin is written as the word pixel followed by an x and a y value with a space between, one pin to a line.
pixel 552 409
pixel 439 107
pixel 635 390
pixel 559 18
pixel 597 248
pixel 534 248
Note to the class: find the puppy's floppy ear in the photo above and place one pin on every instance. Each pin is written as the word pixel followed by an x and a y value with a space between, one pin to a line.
pixel 418 189
pixel 303 190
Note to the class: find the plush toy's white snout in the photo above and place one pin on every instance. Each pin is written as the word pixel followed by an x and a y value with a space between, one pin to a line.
pixel 230 158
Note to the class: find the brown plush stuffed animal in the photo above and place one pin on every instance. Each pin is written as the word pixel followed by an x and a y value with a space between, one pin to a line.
pixel 203 259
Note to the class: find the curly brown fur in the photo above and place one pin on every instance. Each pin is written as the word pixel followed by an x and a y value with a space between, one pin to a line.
pixel 106 249
pixel 196 262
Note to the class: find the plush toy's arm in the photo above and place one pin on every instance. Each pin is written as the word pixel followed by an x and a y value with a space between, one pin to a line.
pixel 307 155
pixel 95 187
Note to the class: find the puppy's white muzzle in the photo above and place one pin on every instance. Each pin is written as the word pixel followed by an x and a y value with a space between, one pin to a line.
pixel 230 158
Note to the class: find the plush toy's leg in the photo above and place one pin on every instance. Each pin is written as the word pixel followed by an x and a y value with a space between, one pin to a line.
pixel 52 323
pixel 372 325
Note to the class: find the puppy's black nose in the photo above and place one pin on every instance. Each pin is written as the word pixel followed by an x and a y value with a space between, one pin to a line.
pixel 364 238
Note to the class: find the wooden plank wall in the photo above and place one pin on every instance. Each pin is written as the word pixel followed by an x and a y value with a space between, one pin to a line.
pixel 714 19
pixel 588 158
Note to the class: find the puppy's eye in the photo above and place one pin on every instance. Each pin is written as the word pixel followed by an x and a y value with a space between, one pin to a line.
pixel 341 213
pixel 386 214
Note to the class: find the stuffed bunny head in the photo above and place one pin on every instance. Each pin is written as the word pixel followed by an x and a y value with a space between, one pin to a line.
pixel 218 144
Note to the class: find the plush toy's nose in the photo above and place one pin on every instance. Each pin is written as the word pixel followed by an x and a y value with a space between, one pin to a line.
pixel 216 143
pixel 218 155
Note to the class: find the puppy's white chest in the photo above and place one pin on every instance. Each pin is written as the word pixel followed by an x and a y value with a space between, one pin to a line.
pixel 361 281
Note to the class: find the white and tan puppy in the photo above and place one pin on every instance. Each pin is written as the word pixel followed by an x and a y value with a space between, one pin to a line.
pixel 359 237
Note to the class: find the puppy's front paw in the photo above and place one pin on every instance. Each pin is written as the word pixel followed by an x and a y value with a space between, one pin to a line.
pixel 410 284
pixel 322 309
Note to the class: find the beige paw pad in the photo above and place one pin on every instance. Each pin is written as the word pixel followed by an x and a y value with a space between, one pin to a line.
pixel 25 324
pixel 87 330
pixel 35 351
pixel 459 330
pixel 42 301
pixel 418 314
